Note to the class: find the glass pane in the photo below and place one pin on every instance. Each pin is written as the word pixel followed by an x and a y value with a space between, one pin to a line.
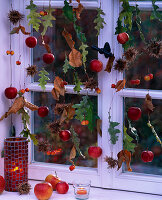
pixel 87 138
pixel 59 45
pixel 147 139
pixel 145 64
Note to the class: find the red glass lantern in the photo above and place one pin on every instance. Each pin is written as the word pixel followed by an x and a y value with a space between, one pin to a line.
pixel 15 162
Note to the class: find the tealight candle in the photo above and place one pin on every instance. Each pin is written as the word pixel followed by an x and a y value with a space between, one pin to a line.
pixel 82 189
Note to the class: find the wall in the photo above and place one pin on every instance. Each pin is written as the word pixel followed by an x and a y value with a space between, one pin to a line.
pixel 5 72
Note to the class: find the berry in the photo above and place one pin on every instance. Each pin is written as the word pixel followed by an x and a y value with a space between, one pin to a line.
pixel 41 13
pixel 45 13
pixel 72 167
pixel 85 122
pixel 22 91
pixel 113 85
pixel 8 52
pixel 12 53
pixel 151 76
pixel 98 90
pixel 63 83
pixel 27 90
pixel 135 82
pixel 18 62
pixel 147 78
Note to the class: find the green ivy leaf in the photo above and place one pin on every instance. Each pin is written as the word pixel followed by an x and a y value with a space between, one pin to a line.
pixel 66 65
pixel 33 138
pixel 68 11
pixel 43 80
pixel 47 20
pixel 127 142
pixel 99 21
pixel 33 16
pixel 77 83
pixel 76 141
pixel 156 14
pixel 83 48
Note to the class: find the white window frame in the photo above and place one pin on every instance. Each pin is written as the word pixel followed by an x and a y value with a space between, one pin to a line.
pixel 100 177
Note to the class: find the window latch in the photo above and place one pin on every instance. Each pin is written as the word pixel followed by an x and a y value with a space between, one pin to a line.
pixel 106 50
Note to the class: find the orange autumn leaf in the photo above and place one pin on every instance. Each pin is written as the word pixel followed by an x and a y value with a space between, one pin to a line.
pixel 124 156
pixel 55 94
pixel 68 38
pixel 58 89
pixel 75 58
pixel 72 153
pixel 109 64
pixel 23 30
pixel 78 10
pixel 120 85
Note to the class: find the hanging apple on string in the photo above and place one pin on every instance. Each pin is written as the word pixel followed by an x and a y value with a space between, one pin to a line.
pixel 43 111
pixel 11 92
pixel 123 38
pixel 94 152
pixel 96 65
pixel 31 41
pixel 134 113
pixel 147 156
pixel 65 135
pixel 48 58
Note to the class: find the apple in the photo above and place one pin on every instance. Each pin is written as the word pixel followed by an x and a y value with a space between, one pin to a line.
pixel 43 111
pixel 48 58
pixel 96 65
pixel 62 187
pixel 31 41
pixel 65 135
pixel 94 152
pixel 43 191
pixel 134 113
pixel 2 184
pixel 10 92
pixel 53 180
pixel 123 38
pixel 147 156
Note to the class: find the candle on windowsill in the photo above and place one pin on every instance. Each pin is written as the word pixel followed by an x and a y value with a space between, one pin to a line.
pixel 81 191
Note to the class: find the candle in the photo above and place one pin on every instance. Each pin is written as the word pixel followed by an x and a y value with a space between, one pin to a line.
pixel 81 191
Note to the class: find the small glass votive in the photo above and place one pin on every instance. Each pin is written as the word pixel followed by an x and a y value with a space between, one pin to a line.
pixel 82 189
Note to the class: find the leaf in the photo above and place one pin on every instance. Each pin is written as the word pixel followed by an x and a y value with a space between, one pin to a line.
pixel 77 83
pixel 78 10
pixel 124 156
pixel 68 38
pixel 84 53
pixel 99 21
pixel 156 14
pixel 99 123
pixel 72 153
pixel 113 131
pixel 127 141
pixel 15 30
pixel 68 11
pixel 120 85
pixel 43 80
pixel 33 16
pixel 154 132
pixel 148 106
pixel 58 89
pixel 66 65
pixel 33 138
pixel 80 35
pixel 75 58
pixel 76 141
pixel 23 30
pixel 47 20
pixel 109 64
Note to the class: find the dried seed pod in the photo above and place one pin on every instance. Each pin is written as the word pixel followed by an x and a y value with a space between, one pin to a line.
pixel 15 16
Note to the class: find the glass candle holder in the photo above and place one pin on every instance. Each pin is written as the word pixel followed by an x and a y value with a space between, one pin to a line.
pixel 15 162
pixel 82 189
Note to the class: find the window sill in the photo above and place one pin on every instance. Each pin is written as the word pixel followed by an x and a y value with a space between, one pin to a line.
pixel 95 194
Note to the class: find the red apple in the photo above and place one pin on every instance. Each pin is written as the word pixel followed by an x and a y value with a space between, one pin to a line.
pixel 48 58
pixel 134 113
pixel 43 111
pixel 65 135
pixel 123 38
pixel 147 156
pixel 62 187
pixel 10 92
pixel 31 42
pixel 94 152
pixel 43 191
pixel 96 65
pixel 53 180
pixel 2 184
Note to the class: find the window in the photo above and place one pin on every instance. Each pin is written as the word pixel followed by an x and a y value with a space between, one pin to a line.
pixel 149 176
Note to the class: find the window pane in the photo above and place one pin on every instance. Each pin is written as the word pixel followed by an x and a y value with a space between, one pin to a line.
pixel 145 64
pixel 59 45
pixel 87 138
pixel 147 139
